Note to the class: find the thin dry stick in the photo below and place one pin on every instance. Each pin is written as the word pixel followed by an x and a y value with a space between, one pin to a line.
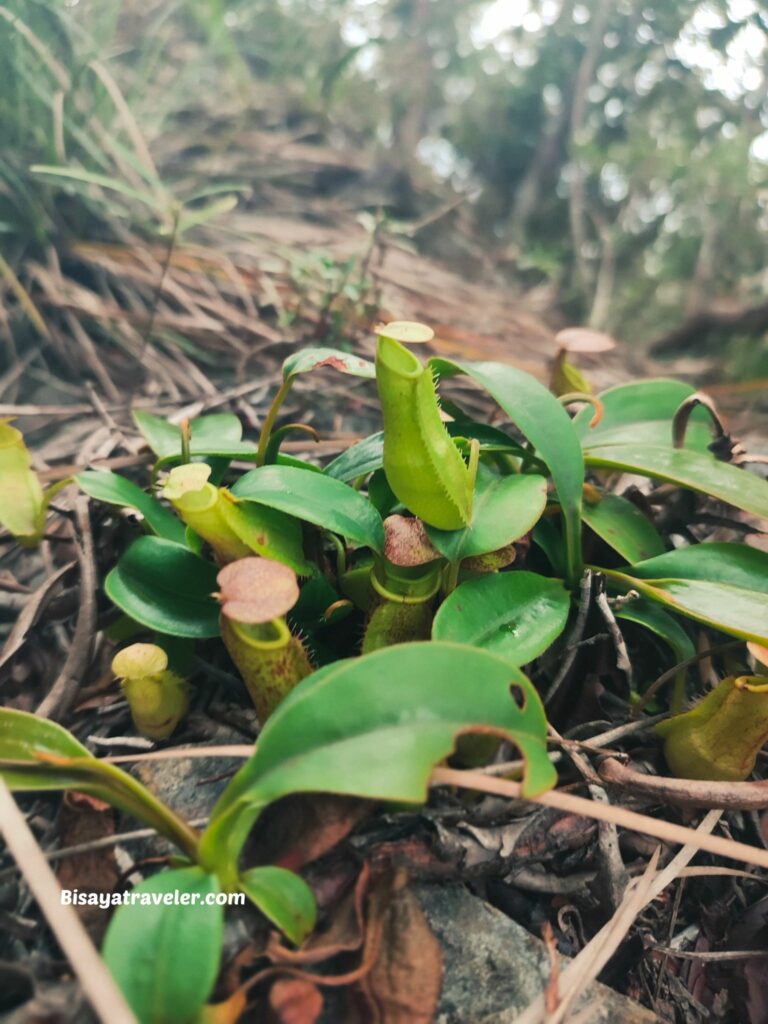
pixel 664 830
pixel 575 975
pixel 62 693
pixel 233 750
pixel 728 796
pixel 613 873
pixel 574 637
pixel 98 984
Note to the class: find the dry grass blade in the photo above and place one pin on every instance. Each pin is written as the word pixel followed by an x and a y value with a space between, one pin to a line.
pixel 26 303
pixel 604 944
pixel 664 830
pixel 593 957
pixel 33 606
pixel 62 693
pixel 105 997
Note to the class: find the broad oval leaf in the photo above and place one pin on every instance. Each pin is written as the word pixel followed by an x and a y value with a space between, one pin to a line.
pixel 516 615
pixel 283 897
pixel 166 587
pixel 375 726
pixel 307 359
pixel 504 509
pixel 545 423
pixel 698 471
pixel 113 489
pixel 163 953
pixel 722 585
pixel 623 527
pixel 217 431
pixel 315 498
pixel 641 413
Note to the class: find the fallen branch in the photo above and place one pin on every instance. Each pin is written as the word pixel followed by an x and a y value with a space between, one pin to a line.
pixel 727 796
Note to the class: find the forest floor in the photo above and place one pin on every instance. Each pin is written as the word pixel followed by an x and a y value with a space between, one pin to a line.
pixel 185 328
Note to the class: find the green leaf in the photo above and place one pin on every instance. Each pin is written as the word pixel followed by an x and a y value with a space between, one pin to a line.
pixel 505 508
pixel 83 180
pixel 698 471
pixel 269 533
pixel 22 502
pixel 218 433
pixel 113 489
pixel 545 423
pixel 516 615
pixel 23 736
pixel 165 955
pixel 736 564
pixel 315 498
pixel 284 897
pixel 307 359
pixel 642 413
pixel 167 588
pixel 423 465
pixel 38 755
pixel 722 585
pixel 623 526
pixel 368 455
pixel 374 727
pixel 359 460
pixel 652 617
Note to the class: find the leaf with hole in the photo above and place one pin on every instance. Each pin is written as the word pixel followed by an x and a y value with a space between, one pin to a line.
pixel 375 727
pixel 516 615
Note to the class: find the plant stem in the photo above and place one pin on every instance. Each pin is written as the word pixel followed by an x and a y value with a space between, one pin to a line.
pixel 269 422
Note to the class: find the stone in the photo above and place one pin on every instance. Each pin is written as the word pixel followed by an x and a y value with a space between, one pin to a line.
pixel 494 968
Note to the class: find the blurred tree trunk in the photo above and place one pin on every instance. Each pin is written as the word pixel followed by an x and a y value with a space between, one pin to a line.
pixel 577 205
pixel 546 157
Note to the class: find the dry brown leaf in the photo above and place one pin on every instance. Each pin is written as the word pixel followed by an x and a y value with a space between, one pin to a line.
pixel 82 819
pixel 404 982
pixel 302 828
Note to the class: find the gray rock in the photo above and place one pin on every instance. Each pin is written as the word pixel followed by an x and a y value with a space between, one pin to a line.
pixel 494 968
